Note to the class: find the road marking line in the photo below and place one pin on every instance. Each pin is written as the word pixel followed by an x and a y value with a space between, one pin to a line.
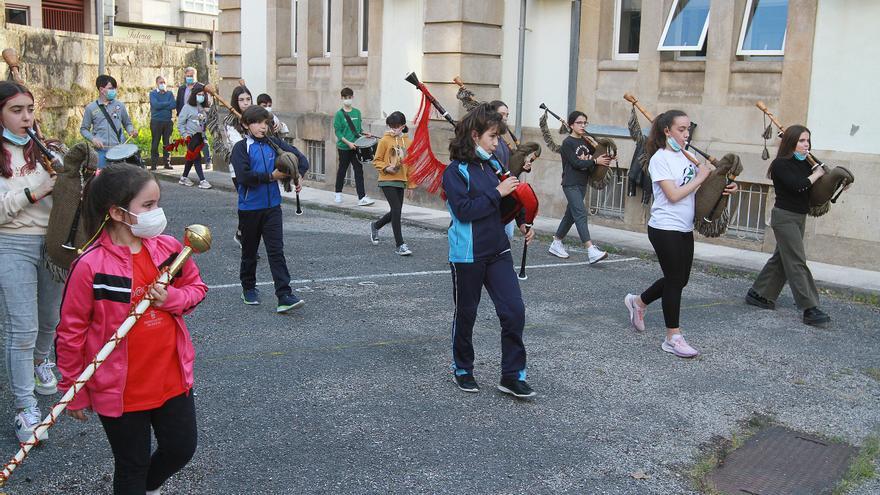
pixel 411 274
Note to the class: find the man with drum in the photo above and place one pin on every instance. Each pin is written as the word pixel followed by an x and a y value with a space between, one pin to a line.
pixel 347 125
pixel 106 119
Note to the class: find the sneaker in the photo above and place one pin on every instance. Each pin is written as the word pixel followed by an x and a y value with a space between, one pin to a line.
pixel 517 388
pixel 466 382
pixel 204 184
pixel 403 250
pixel 337 198
pixel 45 382
pixel 636 312
pixel 816 317
pixel 153 167
pixel 237 238
pixel 365 201
pixel 755 299
pixel 374 233
pixel 288 302
pixel 557 249
pixel 168 165
pixel 679 347
pixel 25 423
pixel 184 181
pixel 207 165
pixel 595 254
pixel 250 296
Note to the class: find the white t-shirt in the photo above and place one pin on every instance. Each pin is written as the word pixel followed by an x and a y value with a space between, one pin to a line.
pixel 666 215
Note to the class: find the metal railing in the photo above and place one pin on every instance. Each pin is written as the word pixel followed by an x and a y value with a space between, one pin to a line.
pixel 63 19
pixel 611 201
pixel 317 165
pixel 748 212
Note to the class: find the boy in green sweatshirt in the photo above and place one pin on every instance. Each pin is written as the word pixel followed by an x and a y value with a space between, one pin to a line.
pixel 347 124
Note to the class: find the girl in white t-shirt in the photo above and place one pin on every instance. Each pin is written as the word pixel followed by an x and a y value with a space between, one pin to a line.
pixel 675 182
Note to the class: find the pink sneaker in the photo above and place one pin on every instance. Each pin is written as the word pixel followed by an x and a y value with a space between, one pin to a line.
pixel 679 347
pixel 636 312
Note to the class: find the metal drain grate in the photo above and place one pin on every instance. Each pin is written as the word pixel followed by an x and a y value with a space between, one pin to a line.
pixel 779 461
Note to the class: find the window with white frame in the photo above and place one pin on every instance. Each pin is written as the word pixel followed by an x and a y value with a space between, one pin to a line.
pixel 17 15
pixel 627 24
pixel 201 6
pixel 294 28
pixel 763 28
pixel 327 20
pixel 686 26
pixel 363 26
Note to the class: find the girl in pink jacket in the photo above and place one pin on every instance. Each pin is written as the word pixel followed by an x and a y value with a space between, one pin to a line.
pixel 145 385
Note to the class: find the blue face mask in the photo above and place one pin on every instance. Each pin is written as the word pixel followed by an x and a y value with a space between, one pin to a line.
pixel 200 99
pixel 673 144
pixel 111 94
pixel 800 156
pixel 190 80
pixel 485 155
pixel 15 139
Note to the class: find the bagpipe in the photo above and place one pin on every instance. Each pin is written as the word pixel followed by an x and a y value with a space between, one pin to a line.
pixel 427 170
pixel 711 216
pixel 597 146
pixel 827 188
pixel 197 239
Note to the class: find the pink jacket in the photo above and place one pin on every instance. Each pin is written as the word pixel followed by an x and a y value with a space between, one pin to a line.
pixel 97 299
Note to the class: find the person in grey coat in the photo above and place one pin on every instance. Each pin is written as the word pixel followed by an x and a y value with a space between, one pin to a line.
pixel 191 124
pixel 106 119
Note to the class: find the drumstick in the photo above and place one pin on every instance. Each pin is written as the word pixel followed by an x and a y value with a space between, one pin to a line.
pixel 635 101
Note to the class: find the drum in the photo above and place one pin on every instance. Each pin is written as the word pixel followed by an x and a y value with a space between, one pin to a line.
pixel 126 152
pixel 366 148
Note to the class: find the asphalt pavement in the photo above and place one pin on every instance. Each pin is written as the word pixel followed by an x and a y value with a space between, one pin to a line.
pixel 353 393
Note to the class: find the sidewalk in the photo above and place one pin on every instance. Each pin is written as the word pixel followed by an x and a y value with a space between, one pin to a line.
pixel 832 276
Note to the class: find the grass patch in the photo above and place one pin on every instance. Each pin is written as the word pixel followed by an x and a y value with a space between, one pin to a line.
pixel 854 296
pixel 716 451
pixel 862 468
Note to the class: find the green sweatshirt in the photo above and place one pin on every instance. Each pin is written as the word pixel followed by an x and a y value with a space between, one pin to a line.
pixel 342 129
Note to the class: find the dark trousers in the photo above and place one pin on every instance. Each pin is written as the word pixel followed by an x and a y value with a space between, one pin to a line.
pixel 675 252
pixel 394 195
pixel 346 158
pixel 267 224
pixel 135 469
pixel 499 278
pixel 196 140
pixel 160 130
pixel 789 261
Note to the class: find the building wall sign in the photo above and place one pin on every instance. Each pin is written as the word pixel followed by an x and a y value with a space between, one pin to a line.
pixel 138 34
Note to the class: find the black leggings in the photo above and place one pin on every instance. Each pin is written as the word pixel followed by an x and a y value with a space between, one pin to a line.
pixel 196 140
pixel 394 195
pixel 346 158
pixel 675 252
pixel 173 423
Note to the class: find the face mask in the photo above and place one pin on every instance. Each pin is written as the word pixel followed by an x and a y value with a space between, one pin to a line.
pixel 162 87
pixel 485 155
pixel 15 139
pixel 797 155
pixel 269 108
pixel 200 99
pixel 673 144
pixel 347 102
pixel 111 94
pixel 150 223
pixel 190 80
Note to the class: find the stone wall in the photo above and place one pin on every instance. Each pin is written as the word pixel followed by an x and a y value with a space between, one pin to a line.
pixel 60 68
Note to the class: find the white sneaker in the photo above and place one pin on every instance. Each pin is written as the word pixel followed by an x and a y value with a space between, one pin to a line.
pixel 204 184
pixel 45 382
pixel 365 201
pixel 184 181
pixel 157 491
pixel 596 254
pixel 25 423
pixel 337 198
pixel 403 250
pixel 557 249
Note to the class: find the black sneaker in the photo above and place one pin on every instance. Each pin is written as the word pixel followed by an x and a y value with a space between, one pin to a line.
pixel 816 317
pixel 755 299
pixel 374 233
pixel 517 388
pixel 288 302
pixel 466 382
pixel 250 296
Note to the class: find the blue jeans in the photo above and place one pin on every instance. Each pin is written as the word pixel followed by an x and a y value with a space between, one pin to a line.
pixel 30 302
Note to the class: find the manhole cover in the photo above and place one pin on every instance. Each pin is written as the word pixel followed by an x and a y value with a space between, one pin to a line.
pixel 779 461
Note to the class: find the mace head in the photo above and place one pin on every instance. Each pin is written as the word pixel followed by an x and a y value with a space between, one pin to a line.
pixel 198 237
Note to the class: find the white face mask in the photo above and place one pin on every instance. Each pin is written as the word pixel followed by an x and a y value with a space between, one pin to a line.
pixel 347 102
pixel 149 223
pixel 162 86
pixel 269 109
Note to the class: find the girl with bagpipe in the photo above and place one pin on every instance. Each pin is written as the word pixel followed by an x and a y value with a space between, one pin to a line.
pixel 792 176
pixel 479 251
pixel 577 165
pixel 191 125
pixel 393 178
pixel 146 386
pixel 670 228
pixel 29 294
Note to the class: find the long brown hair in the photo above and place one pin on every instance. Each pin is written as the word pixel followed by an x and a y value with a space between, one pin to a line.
pixel 657 136
pixel 116 185
pixel 8 90
pixel 789 142
pixel 480 119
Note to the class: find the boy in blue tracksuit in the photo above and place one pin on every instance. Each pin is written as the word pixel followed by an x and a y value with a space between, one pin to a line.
pixel 479 251
pixel 259 207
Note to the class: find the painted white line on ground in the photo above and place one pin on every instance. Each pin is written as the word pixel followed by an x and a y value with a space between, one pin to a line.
pixel 410 274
